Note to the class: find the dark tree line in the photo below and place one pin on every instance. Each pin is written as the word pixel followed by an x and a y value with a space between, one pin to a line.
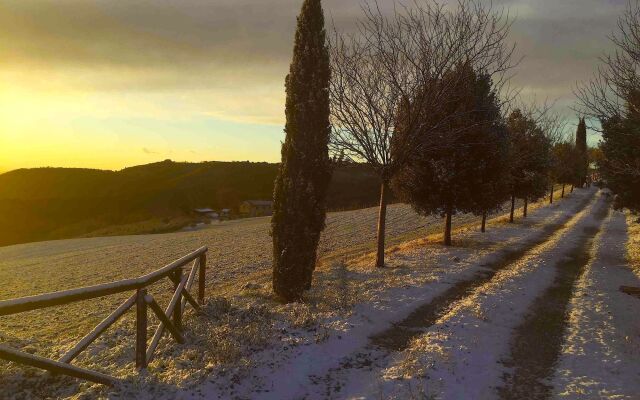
pixel 400 68
pixel 529 160
pixel 565 165
pixel 620 166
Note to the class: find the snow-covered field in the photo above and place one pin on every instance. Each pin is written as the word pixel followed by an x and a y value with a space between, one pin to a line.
pixel 235 247
pixel 239 253
pixel 245 345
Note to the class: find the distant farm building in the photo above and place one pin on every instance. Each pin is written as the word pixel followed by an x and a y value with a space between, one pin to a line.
pixel 206 213
pixel 256 208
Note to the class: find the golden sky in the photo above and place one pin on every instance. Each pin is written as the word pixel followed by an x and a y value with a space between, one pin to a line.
pixel 109 84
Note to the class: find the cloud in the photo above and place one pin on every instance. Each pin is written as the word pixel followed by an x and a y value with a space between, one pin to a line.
pixel 160 34
pixel 147 151
pixel 238 51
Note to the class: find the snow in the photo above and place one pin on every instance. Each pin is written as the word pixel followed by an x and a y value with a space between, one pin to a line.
pixel 602 343
pixel 459 356
pixel 304 372
pixel 244 345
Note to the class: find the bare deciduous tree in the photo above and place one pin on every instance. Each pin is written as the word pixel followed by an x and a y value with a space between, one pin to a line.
pixel 543 113
pixel 617 80
pixel 393 60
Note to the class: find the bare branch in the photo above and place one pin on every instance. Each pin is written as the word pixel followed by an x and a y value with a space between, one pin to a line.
pixel 401 59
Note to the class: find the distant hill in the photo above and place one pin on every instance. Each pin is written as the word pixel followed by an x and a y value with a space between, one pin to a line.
pixel 54 203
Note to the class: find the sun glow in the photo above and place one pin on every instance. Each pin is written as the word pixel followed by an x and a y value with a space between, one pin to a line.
pixel 49 122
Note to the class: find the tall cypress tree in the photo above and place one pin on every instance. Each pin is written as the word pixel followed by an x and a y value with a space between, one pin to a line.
pixel 581 149
pixel 301 186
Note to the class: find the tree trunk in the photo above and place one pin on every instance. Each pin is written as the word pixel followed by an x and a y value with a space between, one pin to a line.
pixel 562 195
pixel 526 206
pixel 551 195
pixel 447 228
pixel 382 216
pixel 513 207
pixel 484 222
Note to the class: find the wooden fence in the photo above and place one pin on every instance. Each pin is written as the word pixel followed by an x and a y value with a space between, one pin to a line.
pixel 170 319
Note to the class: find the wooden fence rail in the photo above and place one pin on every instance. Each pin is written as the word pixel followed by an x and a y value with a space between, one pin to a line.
pixel 170 319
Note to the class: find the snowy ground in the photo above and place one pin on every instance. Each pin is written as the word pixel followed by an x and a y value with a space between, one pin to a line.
pixel 457 357
pixel 239 253
pixel 245 345
pixel 601 352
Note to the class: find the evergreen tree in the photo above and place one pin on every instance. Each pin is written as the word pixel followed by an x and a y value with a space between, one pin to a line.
pixel 301 185
pixel 529 160
pixel 582 151
pixel 459 166
pixel 620 166
pixel 565 165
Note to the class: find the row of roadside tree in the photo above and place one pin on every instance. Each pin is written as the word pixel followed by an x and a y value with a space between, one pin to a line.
pixel 419 94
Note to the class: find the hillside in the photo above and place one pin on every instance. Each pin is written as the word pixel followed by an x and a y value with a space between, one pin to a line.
pixel 54 203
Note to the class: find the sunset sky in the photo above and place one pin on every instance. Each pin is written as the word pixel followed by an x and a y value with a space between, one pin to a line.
pixel 109 84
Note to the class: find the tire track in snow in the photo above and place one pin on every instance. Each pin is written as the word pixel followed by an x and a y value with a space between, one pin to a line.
pixel 601 349
pixel 377 355
pixel 400 335
pixel 461 356
pixel 537 342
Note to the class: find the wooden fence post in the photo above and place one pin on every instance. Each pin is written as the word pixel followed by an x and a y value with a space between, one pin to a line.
pixel 201 277
pixel 177 311
pixel 141 329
